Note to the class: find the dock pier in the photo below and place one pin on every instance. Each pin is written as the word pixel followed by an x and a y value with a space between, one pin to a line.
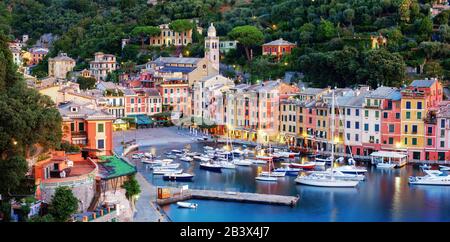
pixel 245 197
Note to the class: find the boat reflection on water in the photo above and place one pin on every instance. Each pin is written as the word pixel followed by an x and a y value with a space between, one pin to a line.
pixel 321 190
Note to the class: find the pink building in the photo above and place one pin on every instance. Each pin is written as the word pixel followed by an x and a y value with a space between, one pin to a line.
pixel 391 121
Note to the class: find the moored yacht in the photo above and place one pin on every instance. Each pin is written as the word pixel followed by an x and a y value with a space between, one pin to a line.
pixel 351 169
pixel 178 177
pixel 340 175
pixel 320 180
pixel 433 177
pixel 211 166
pixel 167 171
pixel 240 162
pixel 273 173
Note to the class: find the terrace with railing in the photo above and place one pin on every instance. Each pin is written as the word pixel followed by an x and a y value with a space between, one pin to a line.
pixel 107 213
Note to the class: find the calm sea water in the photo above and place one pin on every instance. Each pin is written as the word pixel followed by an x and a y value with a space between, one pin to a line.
pixel 384 196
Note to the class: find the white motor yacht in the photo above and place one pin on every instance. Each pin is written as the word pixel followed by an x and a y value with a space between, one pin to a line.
pixel 433 177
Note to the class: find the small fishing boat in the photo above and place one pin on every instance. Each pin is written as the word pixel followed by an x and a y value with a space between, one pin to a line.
pixel 273 173
pixel 351 169
pixel 211 166
pixel 227 165
pixel 240 162
pixel 169 166
pixel 148 155
pixel 153 162
pixel 167 171
pixel 136 156
pixel 237 152
pixel 266 178
pixel 208 147
pixel 263 157
pixel 383 165
pixel 204 138
pixel 187 205
pixel 192 154
pixel 285 154
pixel 322 161
pixel 177 151
pixel 178 177
pixel 305 166
pixel 186 158
pixel 288 170
pixel 425 167
pixel 262 162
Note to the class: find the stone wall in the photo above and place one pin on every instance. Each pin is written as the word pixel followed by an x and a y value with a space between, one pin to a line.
pixel 83 190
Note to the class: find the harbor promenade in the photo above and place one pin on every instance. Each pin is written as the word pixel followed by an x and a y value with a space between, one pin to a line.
pixel 146 208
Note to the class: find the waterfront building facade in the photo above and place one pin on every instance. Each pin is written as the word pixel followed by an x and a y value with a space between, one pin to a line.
pixel 419 104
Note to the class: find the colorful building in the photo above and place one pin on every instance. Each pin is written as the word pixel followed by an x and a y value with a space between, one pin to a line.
pixel 60 65
pixel 169 37
pixel 102 65
pixel 419 100
pixel 37 54
pixel 87 126
pixel 278 48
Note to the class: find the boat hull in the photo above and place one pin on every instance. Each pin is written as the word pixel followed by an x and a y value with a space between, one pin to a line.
pixel 326 182
pixel 177 178
pixel 211 168
pixel 266 178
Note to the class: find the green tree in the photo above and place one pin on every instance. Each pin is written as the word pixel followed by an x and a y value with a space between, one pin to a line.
pixel 181 26
pixel 43 219
pixel 12 173
pixel 28 118
pixel 86 82
pixel 384 68
pixel 248 36
pixel 144 31
pixel 325 30
pixel 63 204
pixel 433 69
pixel 349 15
pixel 307 32
pixel 425 28
pixel 132 189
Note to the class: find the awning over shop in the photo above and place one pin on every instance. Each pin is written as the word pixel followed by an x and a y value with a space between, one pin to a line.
pixel 141 119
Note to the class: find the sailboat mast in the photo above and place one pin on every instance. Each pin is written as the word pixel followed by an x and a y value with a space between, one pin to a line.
pixel 332 133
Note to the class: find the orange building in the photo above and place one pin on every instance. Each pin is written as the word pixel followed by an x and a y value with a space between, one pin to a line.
pixel 36 55
pixel 88 127
pixel 278 48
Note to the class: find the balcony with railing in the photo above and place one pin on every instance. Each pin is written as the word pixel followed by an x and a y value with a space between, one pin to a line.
pixel 79 134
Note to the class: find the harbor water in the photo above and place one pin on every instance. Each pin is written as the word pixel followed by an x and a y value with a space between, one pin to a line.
pixel 385 195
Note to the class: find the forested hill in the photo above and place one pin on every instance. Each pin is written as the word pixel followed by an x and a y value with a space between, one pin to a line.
pixel 333 35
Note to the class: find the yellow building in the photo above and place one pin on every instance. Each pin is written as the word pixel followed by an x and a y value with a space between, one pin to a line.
pixel 418 99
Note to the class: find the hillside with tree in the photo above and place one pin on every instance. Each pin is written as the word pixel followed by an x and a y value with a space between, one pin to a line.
pixel 333 37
